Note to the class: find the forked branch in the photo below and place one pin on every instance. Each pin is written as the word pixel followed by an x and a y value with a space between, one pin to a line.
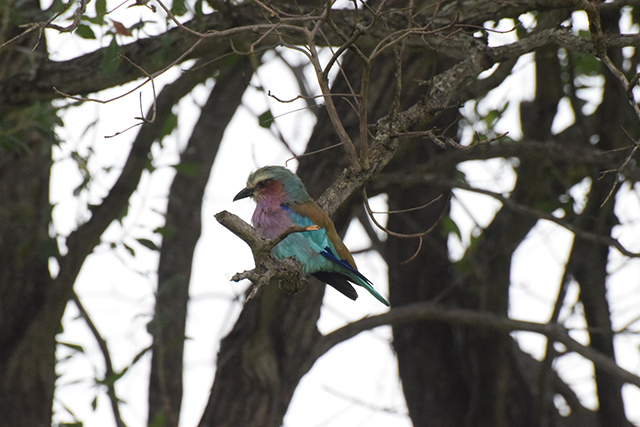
pixel 287 273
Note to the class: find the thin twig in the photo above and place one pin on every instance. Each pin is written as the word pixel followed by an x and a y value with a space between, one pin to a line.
pixel 29 28
pixel 620 169
pixel 420 236
pixel 605 240
pixel 600 48
pixel 104 349
pixel 363 106
pixel 310 153
pixel 326 91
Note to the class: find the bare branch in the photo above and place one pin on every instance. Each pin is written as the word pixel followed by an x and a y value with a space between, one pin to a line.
pixel 427 311
pixel 585 234
pixel 109 373
pixel 349 146
pixel 600 47
pixel 286 273
pixel 86 237
pixel 402 235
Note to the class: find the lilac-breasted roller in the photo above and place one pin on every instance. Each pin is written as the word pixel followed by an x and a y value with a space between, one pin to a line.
pixel 281 202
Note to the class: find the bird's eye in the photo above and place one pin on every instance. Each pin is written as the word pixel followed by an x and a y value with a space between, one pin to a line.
pixel 262 184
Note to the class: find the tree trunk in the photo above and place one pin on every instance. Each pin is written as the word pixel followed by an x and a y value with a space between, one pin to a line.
pixel 27 344
pixel 263 359
pixel 181 233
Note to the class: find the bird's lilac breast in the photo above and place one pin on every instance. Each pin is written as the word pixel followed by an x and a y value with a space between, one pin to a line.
pixel 271 220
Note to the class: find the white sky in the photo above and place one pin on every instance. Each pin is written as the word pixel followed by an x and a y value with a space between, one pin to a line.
pixel 357 382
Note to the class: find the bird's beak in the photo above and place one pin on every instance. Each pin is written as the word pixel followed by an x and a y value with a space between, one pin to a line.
pixel 246 192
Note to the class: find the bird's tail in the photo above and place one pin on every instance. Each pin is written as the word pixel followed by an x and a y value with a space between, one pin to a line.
pixel 373 292
pixel 353 275
pixel 358 278
pixel 338 282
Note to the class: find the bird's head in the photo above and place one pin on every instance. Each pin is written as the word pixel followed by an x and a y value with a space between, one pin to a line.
pixel 274 183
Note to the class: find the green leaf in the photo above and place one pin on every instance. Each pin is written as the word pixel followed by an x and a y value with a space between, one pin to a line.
pixel 169 125
pixel 461 176
pixel 198 8
pixel 164 231
pixel 187 168
pixel 123 214
pixel 178 8
pixel 56 6
pixel 98 20
pixel 111 379
pixel 94 402
pixel 85 32
pixel 101 8
pixel 139 355
pixel 148 244
pixel 82 186
pixel 149 166
pixel 140 25
pixel 110 60
pixel 493 116
pixel 266 119
pixel 74 347
pixel 450 226
pixel 130 249
pixel 586 64
pixel 584 33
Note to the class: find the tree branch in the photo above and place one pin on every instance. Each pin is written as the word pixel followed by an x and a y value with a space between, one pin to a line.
pixel 109 373
pixel 427 311
pixel 81 242
pixel 286 273
pixel 182 232
pixel 240 24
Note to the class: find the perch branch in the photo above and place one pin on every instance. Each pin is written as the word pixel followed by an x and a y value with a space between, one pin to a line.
pixel 287 273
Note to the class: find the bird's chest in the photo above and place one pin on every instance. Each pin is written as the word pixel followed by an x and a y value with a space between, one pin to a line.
pixel 272 220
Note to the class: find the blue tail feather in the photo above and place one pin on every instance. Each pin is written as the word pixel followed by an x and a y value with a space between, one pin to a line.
pixel 353 275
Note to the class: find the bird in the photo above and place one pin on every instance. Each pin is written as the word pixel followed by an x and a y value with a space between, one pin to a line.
pixel 282 201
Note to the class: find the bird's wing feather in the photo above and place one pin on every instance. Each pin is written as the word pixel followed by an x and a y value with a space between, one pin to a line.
pixel 328 244
pixel 327 254
pixel 338 282
pixel 354 276
pixel 310 213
